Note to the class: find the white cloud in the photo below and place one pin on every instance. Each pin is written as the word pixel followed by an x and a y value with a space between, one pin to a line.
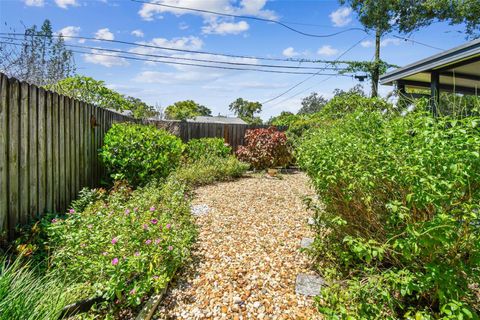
pixel 65 3
pixel 106 60
pixel 183 26
pixel 35 3
pixel 224 28
pixel 327 50
pixel 290 52
pixel 175 77
pixel 384 43
pixel 246 7
pixel 138 33
pixel 341 17
pixel 104 34
pixel 184 43
pixel 70 31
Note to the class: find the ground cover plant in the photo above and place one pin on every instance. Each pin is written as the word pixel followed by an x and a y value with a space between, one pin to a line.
pixel 399 233
pixel 138 153
pixel 265 148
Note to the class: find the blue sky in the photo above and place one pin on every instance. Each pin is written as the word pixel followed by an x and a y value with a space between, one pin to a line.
pixel 164 84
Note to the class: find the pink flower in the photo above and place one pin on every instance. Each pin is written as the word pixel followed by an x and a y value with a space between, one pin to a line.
pixel 132 291
pixel 114 240
pixel 168 226
pixel 135 209
pixel 114 261
pixel 136 254
pixel 170 248
pixel 154 221
pixel 155 277
pixel 105 253
pixel 90 226
pixel 54 220
pixel 157 241
pixel 83 245
pixel 148 241
pixel 127 211
pixel 71 211
pixel 152 209
pixel 145 226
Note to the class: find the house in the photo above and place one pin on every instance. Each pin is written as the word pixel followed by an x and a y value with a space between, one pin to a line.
pixel 217 119
pixel 456 70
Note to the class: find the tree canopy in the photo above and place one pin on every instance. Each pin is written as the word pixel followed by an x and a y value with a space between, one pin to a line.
pixel 40 59
pixel 95 92
pixel 246 110
pixel 312 103
pixel 182 110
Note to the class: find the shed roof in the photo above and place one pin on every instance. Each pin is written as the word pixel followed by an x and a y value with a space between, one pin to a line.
pixel 459 69
pixel 217 119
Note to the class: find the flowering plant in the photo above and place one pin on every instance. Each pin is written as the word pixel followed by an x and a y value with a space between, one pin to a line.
pixel 126 244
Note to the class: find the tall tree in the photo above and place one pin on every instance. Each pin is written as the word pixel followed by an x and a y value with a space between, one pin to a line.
pixel 246 110
pixel 40 59
pixel 182 110
pixel 312 104
pixel 385 16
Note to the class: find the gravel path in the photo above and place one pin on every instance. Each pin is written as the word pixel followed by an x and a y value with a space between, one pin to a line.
pixel 247 255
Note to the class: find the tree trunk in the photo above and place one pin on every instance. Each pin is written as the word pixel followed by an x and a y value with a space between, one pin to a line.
pixel 376 67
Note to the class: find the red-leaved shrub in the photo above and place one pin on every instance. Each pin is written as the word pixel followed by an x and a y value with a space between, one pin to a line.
pixel 265 148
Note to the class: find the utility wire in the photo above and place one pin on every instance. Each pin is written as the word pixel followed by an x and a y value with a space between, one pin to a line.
pixel 315 74
pixel 192 64
pixel 251 18
pixel 188 59
pixel 172 49
pixel 420 43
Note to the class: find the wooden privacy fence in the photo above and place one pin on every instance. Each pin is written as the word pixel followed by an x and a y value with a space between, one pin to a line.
pixel 48 150
pixel 233 134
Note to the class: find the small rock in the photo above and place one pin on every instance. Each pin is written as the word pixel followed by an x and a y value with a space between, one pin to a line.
pixel 308 285
pixel 199 209
pixel 306 242
pixel 311 221
pixel 256 304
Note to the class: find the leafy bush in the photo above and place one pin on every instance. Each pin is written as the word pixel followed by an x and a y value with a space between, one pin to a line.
pixel 208 170
pixel 24 294
pixel 401 218
pixel 138 153
pixel 265 148
pixel 125 245
pixel 205 148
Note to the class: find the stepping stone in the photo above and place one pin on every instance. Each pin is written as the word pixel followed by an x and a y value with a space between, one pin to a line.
pixel 308 285
pixel 306 243
pixel 199 209
pixel 311 221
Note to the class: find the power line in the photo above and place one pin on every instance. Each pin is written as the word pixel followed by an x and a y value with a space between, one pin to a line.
pixel 251 18
pixel 173 49
pixel 420 43
pixel 315 74
pixel 189 59
pixel 192 64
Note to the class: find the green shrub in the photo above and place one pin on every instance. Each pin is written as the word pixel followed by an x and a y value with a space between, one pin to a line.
pixel 265 148
pixel 401 218
pixel 205 148
pixel 126 244
pixel 210 170
pixel 28 295
pixel 138 153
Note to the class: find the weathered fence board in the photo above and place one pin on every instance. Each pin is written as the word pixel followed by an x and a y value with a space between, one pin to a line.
pixel 48 151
